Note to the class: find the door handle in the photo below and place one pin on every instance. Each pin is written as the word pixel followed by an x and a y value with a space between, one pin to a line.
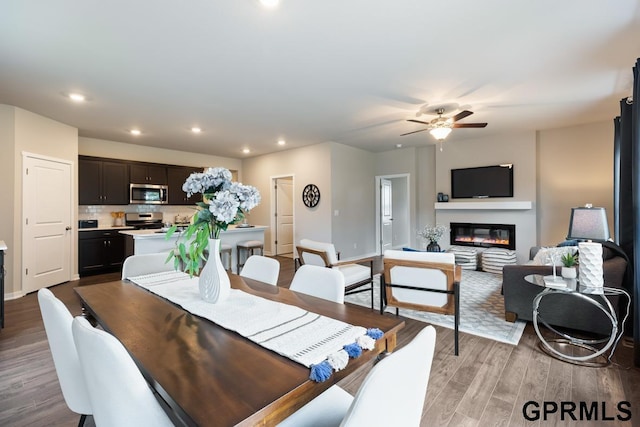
pixel 67 228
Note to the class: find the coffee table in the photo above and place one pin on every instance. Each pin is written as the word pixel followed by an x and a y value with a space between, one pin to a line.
pixel 599 351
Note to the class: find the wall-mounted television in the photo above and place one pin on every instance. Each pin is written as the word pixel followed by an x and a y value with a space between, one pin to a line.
pixel 482 182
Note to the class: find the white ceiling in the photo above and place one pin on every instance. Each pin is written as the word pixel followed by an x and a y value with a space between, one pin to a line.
pixel 311 71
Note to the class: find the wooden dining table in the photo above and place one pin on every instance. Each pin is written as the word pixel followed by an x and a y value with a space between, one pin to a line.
pixel 210 376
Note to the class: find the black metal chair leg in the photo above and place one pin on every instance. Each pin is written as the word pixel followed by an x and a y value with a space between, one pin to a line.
pixel 456 295
pixel 83 418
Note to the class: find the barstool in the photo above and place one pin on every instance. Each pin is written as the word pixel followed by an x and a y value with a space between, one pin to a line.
pixel 250 247
pixel 226 249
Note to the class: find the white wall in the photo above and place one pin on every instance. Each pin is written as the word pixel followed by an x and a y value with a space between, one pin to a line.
pixel 7 192
pixel 516 148
pixel 575 167
pixel 143 153
pixel 307 165
pixel 353 201
pixel 38 135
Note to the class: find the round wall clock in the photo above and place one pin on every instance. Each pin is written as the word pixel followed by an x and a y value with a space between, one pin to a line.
pixel 311 196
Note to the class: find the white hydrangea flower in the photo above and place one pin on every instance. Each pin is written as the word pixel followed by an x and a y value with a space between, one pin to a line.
pixel 224 206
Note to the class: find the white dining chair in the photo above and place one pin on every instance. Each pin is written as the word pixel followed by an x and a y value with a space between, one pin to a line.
pixel 119 394
pixel 392 394
pixel 137 265
pixel 319 282
pixel 261 268
pixel 57 325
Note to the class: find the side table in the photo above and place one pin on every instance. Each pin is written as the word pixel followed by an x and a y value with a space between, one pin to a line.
pixel 599 350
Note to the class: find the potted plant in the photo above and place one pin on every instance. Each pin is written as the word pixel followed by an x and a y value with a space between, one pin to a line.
pixel 433 235
pixel 569 261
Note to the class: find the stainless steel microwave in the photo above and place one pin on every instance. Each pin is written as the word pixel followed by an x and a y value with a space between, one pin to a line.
pixel 148 194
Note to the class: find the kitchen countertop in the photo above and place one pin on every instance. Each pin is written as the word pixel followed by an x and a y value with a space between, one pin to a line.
pixel 106 227
pixel 157 234
pixel 3 246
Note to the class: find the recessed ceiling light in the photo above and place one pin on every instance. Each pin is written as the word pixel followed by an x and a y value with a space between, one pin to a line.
pixel 398 145
pixel 135 132
pixel 270 3
pixel 78 97
pixel 196 130
pixel 281 142
pixel 246 150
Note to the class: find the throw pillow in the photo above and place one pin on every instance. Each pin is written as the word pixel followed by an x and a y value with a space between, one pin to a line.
pixel 546 255
pixel 493 259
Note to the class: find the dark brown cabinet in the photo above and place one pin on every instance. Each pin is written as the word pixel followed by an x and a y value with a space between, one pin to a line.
pixel 100 252
pixel 102 182
pixel 147 174
pixel 176 177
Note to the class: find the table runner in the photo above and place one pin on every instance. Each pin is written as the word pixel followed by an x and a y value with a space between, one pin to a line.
pixel 318 342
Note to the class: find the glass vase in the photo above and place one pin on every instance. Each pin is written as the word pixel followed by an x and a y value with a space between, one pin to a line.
pixel 433 247
pixel 214 283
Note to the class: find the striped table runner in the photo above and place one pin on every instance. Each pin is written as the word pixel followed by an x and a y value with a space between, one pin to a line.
pixel 318 342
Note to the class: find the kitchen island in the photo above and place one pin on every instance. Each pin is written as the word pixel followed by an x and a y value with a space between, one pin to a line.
pixel 154 241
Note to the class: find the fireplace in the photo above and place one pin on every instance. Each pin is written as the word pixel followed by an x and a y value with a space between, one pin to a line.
pixel 485 235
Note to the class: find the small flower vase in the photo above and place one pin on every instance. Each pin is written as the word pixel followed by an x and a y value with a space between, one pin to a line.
pixel 433 247
pixel 214 281
pixel 569 272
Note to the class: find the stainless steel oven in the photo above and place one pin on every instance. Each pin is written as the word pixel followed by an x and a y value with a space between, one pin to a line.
pixel 148 194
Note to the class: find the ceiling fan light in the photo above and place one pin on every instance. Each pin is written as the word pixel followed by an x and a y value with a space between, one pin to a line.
pixel 440 133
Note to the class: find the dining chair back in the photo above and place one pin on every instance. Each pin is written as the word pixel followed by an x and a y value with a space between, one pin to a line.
pixel 423 281
pixel 358 273
pixel 137 265
pixel 261 268
pixel 120 396
pixel 319 282
pixel 393 393
pixel 57 325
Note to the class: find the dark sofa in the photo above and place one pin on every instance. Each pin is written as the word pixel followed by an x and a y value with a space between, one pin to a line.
pixel 562 310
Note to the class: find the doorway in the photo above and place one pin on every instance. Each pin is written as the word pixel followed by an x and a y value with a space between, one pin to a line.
pixel 393 212
pixel 46 226
pixel 283 217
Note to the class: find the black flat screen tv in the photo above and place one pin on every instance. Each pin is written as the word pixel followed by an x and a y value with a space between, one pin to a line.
pixel 482 182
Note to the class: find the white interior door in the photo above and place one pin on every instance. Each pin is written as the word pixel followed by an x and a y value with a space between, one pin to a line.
pixel 284 216
pixel 386 214
pixel 46 246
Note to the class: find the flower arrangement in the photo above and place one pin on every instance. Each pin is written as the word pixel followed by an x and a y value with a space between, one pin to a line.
pixel 433 234
pixel 223 203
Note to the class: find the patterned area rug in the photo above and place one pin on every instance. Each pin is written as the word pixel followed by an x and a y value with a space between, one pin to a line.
pixel 481 308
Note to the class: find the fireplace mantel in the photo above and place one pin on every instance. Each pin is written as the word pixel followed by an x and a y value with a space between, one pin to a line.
pixel 517 206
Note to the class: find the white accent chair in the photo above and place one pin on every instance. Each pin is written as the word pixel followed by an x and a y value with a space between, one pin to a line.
pixel 319 282
pixel 137 265
pixel 261 268
pixel 357 277
pixel 57 324
pixel 120 396
pixel 392 394
pixel 424 281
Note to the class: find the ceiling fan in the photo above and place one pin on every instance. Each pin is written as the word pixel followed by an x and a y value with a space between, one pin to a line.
pixel 440 127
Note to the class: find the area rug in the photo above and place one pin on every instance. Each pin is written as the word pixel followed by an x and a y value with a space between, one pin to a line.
pixel 481 308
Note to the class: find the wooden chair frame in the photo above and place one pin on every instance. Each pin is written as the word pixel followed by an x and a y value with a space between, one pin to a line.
pixel 451 271
pixel 348 289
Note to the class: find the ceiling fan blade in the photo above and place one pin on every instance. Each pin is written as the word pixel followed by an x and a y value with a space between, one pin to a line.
pixel 461 115
pixel 415 131
pixel 418 121
pixel 469 125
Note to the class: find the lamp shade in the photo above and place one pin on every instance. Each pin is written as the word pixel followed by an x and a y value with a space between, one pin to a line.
pixel 440 133
pixel 588 224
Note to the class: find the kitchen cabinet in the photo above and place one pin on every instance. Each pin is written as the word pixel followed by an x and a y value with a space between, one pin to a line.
pixel 100 251
pixel 176 177
pixel 140 173
pixel 102 182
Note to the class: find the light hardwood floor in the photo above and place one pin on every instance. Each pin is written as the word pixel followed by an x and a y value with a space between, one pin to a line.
pixel 486 385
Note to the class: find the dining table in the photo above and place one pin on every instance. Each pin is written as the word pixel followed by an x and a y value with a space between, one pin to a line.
pixel 206 375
